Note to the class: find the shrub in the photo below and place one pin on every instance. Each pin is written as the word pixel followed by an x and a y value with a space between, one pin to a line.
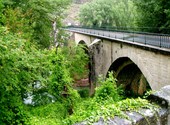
pixel 18 68
pixel 107 89
pixel 84 93
pixel 51 114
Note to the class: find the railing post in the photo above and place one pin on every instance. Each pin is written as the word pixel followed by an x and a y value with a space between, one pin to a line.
pixel 133 36
pixel 160 41
pixel 109 32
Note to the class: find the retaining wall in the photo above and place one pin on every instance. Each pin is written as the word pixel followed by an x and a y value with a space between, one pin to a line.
pixel 145 116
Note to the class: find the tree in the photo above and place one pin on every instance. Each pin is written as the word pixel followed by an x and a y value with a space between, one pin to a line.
pixel 108 13
pixel 21 64
pixel 154 15
pixel 1 10
pixel 34 18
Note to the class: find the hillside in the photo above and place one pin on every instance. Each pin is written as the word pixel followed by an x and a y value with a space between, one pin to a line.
pixel 73 12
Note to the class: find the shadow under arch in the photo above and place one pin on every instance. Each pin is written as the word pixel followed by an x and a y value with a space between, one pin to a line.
pixel 86 82
pixel 129 76
pixel 85 46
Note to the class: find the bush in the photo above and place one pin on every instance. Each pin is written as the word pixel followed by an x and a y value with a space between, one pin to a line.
pixel 84 93
pixel 18 68
pixel 22 65
pixel 51 114
pixel 107 89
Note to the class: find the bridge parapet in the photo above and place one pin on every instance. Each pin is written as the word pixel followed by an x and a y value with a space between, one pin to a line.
pixel 143 38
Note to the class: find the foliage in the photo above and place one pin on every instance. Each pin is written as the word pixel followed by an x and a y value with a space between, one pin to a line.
pixel 33 18
pixel 108 13
pixel 15 20
pixel 84 93
pixel 90 111
pixel 59 81
pixel 19 66
pixel 106 104
pixel 60 77
pixel 1 10
pixel 52 114
pixel 78 61
pixel 153 15
pixel 22 66
pixel 108 89
pixel 26 69
pixel 141 15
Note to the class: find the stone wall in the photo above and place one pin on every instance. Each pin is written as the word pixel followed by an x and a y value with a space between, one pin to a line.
pixel 163 97
pixel 145 116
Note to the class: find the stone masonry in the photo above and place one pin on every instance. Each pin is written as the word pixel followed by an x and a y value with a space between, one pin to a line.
pixel 154 64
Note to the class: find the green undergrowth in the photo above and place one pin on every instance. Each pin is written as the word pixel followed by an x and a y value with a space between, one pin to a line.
pixel 90 111
pixel 51 114
pixel 106 103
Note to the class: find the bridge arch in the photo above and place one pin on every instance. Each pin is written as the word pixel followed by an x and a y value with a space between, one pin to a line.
pixel 130 76
pixel 82 42
pixel 86 81
pixel 85 46
pixel 79 38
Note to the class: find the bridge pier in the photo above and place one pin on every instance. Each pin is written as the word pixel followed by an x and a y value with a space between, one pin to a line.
pixel 95 51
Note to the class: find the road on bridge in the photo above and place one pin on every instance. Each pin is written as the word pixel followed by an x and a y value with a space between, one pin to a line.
pixel 152 39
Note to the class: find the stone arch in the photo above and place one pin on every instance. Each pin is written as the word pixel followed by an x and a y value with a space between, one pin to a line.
pixel 80 37
pixel 130 76
pixel 86 80
pixel 82 42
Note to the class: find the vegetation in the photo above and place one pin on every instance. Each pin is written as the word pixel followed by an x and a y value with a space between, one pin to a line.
pixel 141 15
pixel 107 102
pixel 28 68
pixel 23 66
pixel 153 15
pixel 18 68
pixel 33 18
pixel 108 13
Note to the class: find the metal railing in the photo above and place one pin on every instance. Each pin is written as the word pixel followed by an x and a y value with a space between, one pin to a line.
pixel 153 39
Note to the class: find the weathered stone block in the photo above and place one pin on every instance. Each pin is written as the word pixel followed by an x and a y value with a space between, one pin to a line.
pixel 163 98
pixel 145 116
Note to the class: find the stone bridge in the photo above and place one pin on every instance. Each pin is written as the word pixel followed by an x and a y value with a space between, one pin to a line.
pixel 136 65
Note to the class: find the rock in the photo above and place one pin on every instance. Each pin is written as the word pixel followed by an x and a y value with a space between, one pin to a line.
pixel 164 93
pixel 145 116
pixel 163 97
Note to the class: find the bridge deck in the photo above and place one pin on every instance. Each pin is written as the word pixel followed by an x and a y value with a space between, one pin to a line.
pixel 155 40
